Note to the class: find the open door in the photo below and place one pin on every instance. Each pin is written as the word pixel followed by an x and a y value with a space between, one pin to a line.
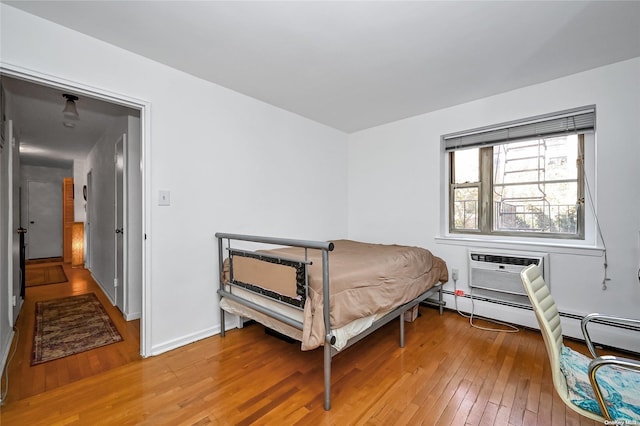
pixel 87 192
pixel 120 209
pixel 7 235
pixel 10 272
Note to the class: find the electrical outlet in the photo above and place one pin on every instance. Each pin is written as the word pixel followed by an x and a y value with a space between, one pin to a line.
pixel 454 274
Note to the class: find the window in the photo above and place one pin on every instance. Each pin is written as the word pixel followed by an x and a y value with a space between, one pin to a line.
pixel 520 178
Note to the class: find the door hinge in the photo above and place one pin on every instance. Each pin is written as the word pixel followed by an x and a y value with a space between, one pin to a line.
pixel 115 282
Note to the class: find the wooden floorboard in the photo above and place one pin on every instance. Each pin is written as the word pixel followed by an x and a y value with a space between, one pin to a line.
pixel 448 373
pixel 27 380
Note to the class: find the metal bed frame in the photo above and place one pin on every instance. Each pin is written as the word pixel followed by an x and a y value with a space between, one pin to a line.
pixel 325 247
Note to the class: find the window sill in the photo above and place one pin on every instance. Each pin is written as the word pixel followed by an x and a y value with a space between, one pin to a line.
pixel 548 246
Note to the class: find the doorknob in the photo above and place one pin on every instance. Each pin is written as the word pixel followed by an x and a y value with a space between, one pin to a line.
pixel 31 222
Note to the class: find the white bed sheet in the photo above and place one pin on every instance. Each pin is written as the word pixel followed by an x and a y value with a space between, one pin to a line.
pixel 342 334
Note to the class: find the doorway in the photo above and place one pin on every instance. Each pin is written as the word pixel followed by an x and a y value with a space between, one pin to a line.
pixel 140 248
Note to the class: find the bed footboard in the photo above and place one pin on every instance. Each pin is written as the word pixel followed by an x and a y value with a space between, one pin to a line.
pixel 297 298
pixel 325 247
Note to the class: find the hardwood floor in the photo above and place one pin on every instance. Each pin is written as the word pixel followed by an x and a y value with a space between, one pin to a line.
pixel 26 380
pixel 448 373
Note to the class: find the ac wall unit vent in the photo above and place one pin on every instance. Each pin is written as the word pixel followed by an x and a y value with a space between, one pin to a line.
pixel 496 274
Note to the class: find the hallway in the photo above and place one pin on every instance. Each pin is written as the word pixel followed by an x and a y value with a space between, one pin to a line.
pixel 26 380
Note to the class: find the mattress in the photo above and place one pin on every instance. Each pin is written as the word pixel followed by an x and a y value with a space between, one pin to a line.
pixel 366 281
pixel 342 334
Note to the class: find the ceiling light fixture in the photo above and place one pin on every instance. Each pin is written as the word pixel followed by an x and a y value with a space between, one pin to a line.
pixel 70 110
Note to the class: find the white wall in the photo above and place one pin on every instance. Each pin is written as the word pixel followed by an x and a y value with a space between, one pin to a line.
pixel 53 175
pixel 396 184
pixel 101 204
pixel 231 163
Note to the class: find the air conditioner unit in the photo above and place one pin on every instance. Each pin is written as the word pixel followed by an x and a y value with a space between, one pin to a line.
pixel 495 274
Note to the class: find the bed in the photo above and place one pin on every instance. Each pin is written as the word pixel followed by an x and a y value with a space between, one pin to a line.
pixel 295 290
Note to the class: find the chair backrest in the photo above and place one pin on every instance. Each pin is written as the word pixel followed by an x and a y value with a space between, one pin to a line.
pixel 548 319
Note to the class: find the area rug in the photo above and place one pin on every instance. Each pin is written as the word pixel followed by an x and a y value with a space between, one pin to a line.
pixel 71 325
pixel 43 275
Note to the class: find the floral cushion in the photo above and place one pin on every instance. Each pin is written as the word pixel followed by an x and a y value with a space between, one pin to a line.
pixel 620 387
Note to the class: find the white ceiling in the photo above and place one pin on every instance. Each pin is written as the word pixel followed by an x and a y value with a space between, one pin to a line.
pixel 353 65
pixel 44 140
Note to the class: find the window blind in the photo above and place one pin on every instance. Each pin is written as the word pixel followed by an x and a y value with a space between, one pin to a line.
pixel 568 122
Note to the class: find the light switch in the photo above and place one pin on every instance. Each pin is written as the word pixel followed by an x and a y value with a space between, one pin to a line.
pixel 164 198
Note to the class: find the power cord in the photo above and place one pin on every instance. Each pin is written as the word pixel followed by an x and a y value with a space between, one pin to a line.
pixel 3 395
pixel 606 278
pixel 510 328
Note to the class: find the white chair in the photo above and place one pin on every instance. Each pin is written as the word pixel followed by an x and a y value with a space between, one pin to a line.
pixel 613 394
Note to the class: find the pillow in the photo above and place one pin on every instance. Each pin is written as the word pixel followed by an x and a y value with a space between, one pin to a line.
pixel 620 387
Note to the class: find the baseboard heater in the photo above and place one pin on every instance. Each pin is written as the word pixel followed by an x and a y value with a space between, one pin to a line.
pixel 496 274
pixel 576 317
pixel 562 314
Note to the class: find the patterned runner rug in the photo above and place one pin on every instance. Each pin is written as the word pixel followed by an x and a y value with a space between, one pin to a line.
pixel 42 275
pixel 71 325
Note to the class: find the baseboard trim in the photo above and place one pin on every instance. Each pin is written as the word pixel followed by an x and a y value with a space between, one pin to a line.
pixel 185 340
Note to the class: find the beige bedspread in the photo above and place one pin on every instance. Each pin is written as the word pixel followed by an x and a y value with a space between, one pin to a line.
pixel 365 279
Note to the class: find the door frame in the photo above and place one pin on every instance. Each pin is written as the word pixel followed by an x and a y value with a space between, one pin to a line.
pixel 145 164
